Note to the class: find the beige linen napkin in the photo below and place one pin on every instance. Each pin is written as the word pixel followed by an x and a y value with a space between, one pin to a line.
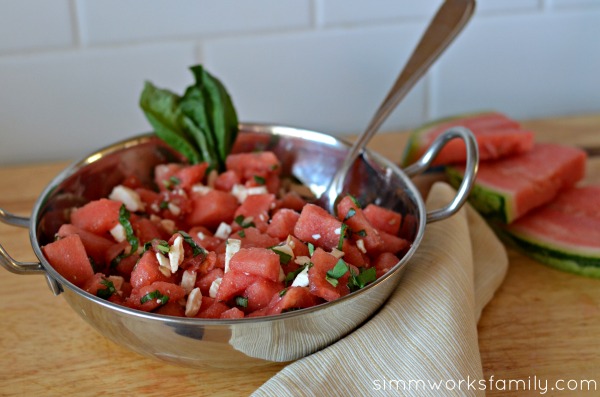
pixel 426 333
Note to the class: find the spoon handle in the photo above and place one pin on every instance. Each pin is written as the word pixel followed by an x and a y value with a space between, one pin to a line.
pixel 449 20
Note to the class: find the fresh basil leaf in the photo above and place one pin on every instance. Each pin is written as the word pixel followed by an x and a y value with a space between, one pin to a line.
pixel 259 179
pixel 162 110
pixel 358 281
pixel 343 230
pixel 311 249
pixel 107 292
pixel 154 295
pixel 196 249
pixel 241 301
pixel 333 275
pixel 124 216
pixel 284 258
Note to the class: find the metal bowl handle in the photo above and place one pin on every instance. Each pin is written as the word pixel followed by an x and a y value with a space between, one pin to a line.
pixel 425 161
pixel 17 267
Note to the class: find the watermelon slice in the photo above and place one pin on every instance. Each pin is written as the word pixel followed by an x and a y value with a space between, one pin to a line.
pixel 509 188
pixel 497 136
pixel 564 234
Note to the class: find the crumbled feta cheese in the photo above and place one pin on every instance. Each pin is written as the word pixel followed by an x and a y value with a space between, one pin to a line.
pixel 188 280
pixel 232 246
pixel 176 253
pixel 214 287
pixel 290 241
pixel 281 274
pixel 127 196
pixel 338 231
pixel 360 243
pixel 201 189
pixel 316 236
pixel 174 208
pixel 223 231
pixel 154 207
pixel 301 279
pixel 241 192
pixel 118 232
pixel 337 253
pixel 285 248
pixel 193 303
pixel 163 264
pixel 302 260
pixel 201 235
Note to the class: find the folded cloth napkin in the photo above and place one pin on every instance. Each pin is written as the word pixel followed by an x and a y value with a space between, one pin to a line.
pixel 426 333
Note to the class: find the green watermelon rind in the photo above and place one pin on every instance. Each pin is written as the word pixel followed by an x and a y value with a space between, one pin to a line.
pixel 414 146
pixel 559 258
pixel 492 204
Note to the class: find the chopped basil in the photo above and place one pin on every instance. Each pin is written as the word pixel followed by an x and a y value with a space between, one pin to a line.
pixel 196 249
pixel 147 246
pixel 283 257
pixel 311 249
pixel 343 230
pixel 241 301
pixel 154 295
pixel 115 262
pixel 242 233
pixel 107 292
pixel 350 214
pixel 124 216
pixel 358 281
pixel 259 179
pixel 336 273
pixel 163 205
pixel 240 221
pixel 282 292
pixel 163 247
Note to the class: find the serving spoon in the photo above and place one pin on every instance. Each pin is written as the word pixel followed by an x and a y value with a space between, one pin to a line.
pixel 447 23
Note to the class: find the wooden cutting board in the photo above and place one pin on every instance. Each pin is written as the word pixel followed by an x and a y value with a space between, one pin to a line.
pixel 542 325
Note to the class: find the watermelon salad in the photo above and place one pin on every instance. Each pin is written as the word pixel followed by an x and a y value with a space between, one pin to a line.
pixel 528 191
pixel 231 244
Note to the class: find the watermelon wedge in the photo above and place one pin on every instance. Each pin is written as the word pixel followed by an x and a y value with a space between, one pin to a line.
pixel 497 136
pixel 564 234
pixel 507 189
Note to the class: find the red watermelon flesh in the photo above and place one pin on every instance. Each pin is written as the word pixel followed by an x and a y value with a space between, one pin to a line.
pixel 565 233
pixel 509 188
pixel 497 136
pixel 68 257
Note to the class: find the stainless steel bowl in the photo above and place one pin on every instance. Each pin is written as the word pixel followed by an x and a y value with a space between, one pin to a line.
pixel 311 157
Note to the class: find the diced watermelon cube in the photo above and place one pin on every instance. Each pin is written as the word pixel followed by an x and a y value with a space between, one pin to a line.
pixel 293 298
pixel 95 245
pixel 383 219
pixel 317 277
pixel 252 237
pixel 283 223
pixel 145 230
pixel 392 243
pixel 161 293
pixel 97 216
pixel 205 281
pixel 212 208
pixel 233 284
pixel 361 228
pixel 146 271
pixel 256 261
pixel 171 308
pixel 248 165
pixel 225 181
pixel 317 226
pixel 234 312
pixel 291 200
pixel 214 309
pixel 69 258
pixel 257 207
pixel 384 262
pixel 260 293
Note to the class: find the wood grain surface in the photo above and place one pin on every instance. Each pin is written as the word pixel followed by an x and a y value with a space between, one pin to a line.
pixel 542 325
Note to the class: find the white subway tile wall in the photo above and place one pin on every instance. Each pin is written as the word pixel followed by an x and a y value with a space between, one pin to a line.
pixel 71 71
